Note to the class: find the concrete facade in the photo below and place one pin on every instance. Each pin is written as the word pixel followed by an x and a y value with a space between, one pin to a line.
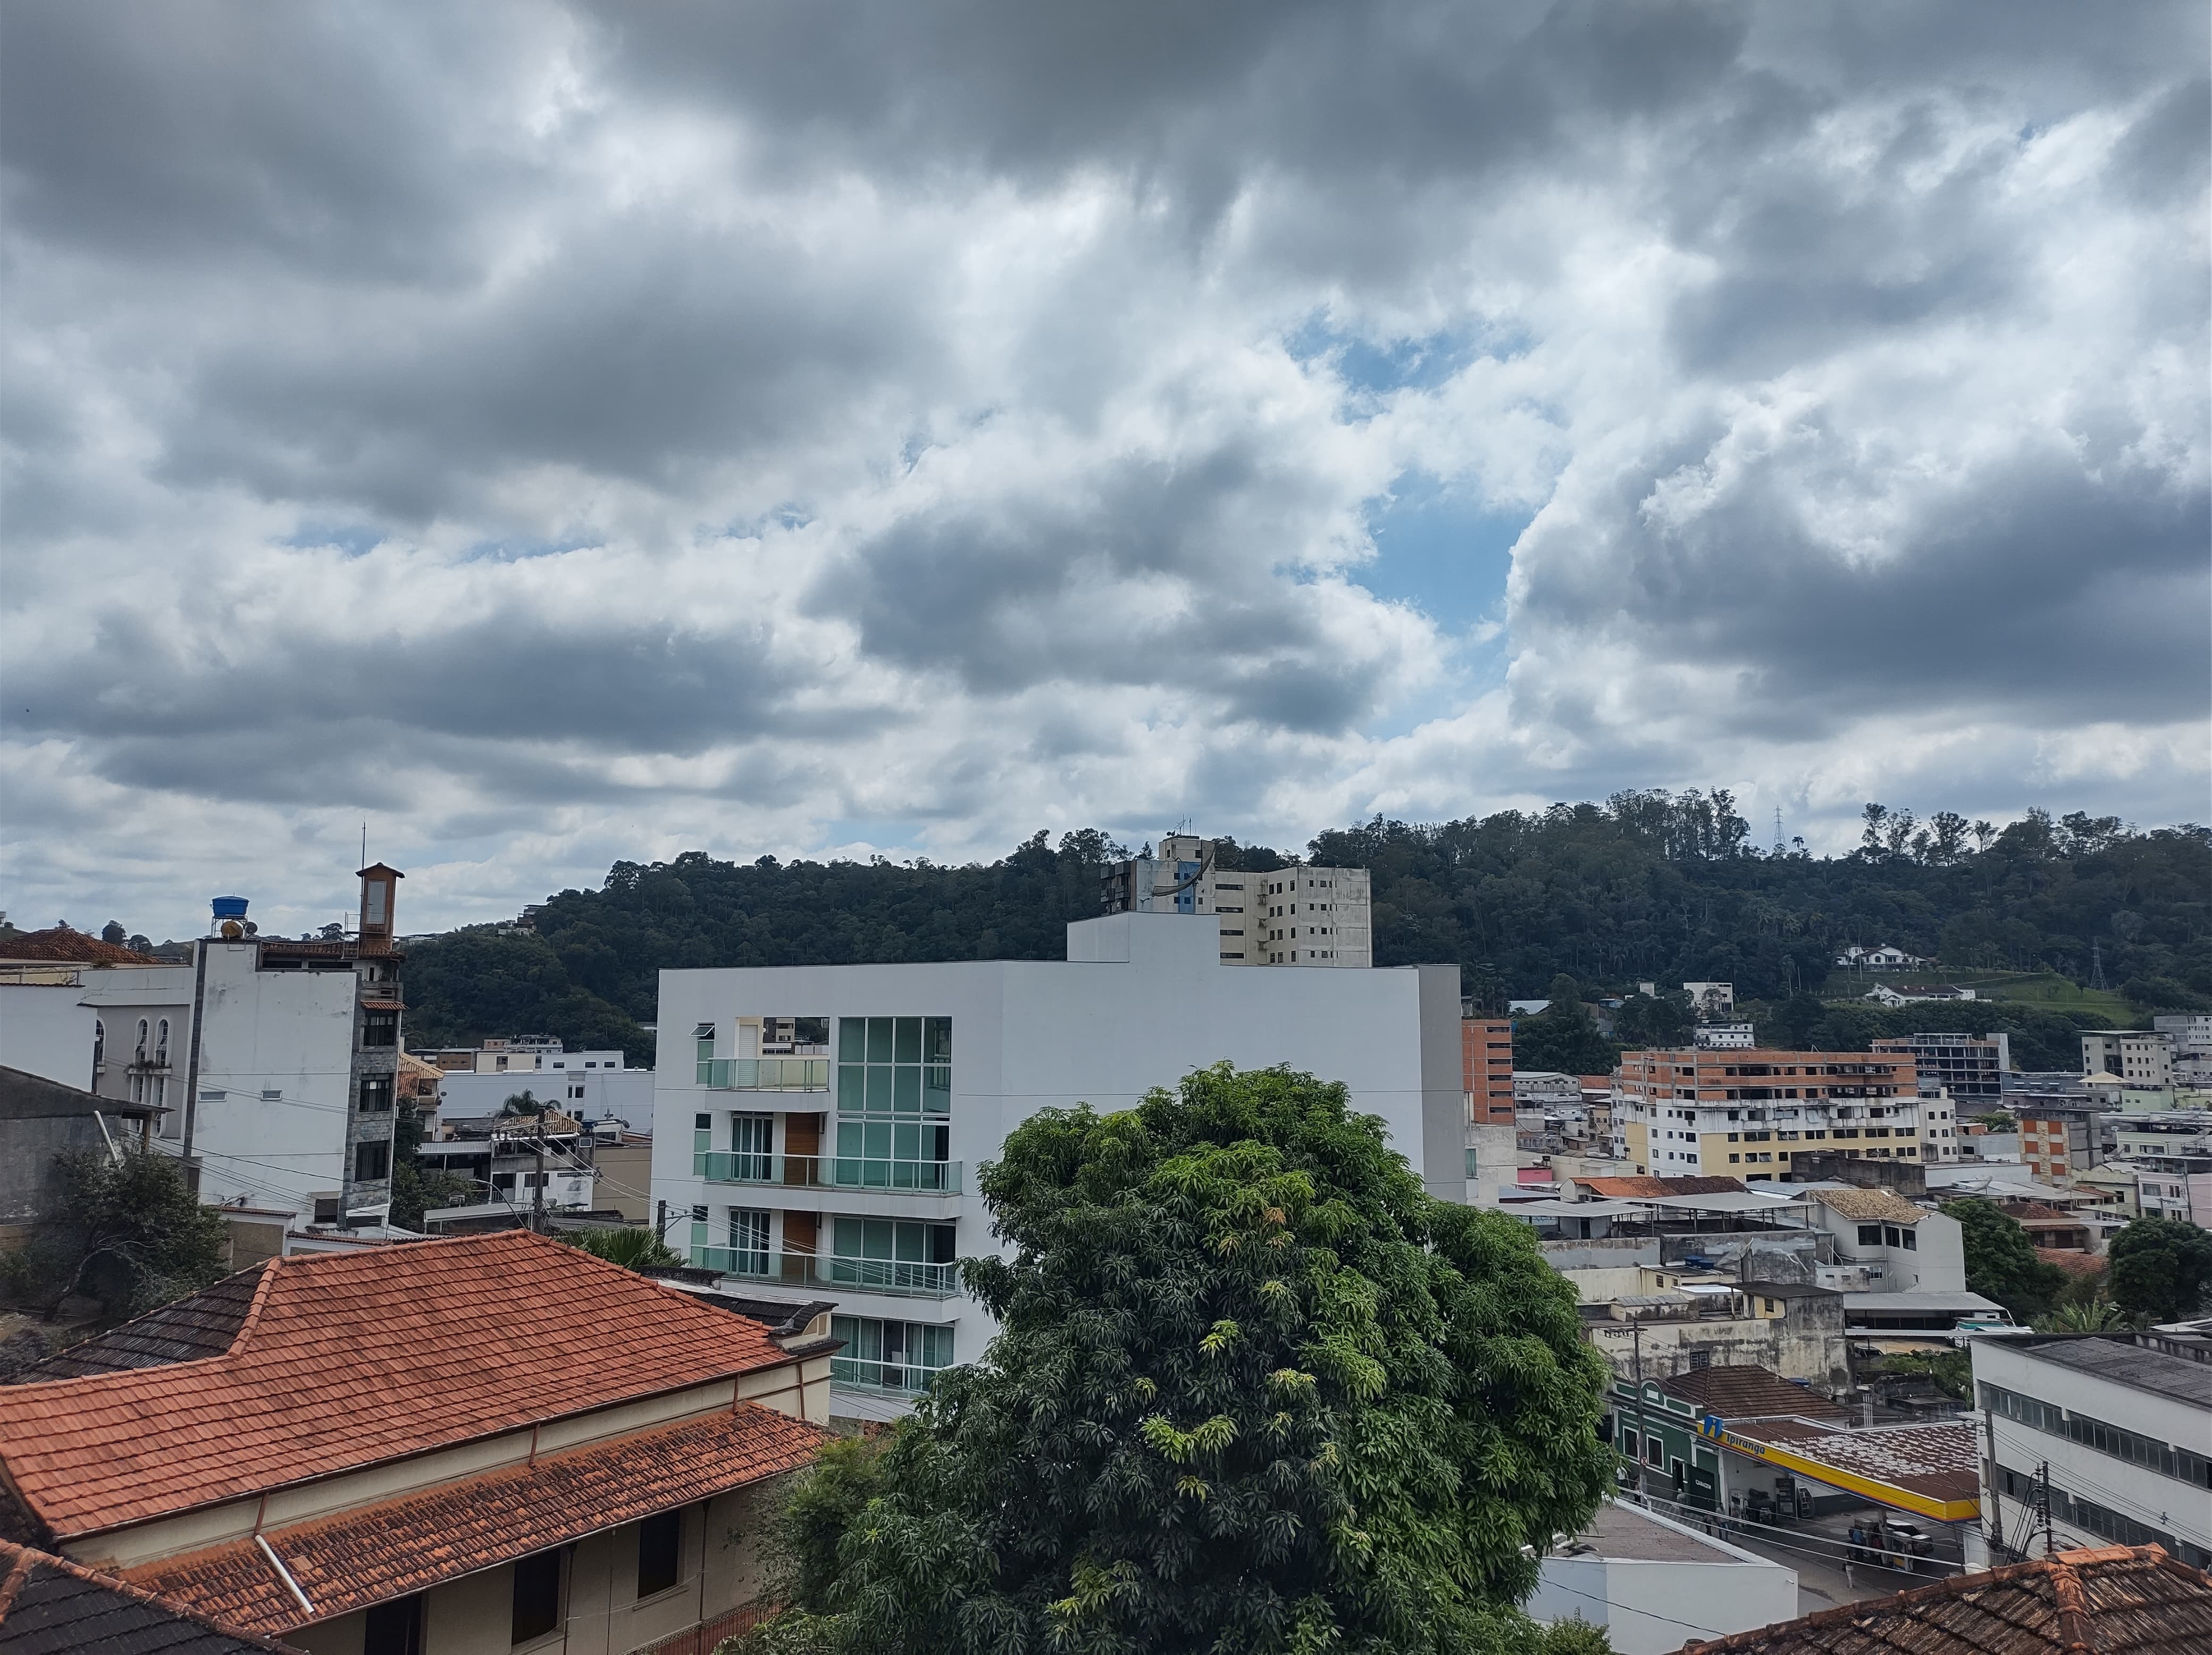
pixel 808 1174
pixel 1296 916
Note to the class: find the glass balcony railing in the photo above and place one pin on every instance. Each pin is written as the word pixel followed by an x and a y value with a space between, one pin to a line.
pixel 886 1276
pixel 764 1073
pixel 902 1377
pixel 828 1172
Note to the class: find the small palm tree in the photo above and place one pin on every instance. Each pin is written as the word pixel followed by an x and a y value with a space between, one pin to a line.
pixel 631 1249
pixel 2084 1316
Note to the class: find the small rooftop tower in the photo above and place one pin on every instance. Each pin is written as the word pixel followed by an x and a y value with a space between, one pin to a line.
pixel 379 885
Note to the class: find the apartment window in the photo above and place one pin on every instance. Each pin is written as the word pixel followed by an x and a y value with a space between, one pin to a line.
pixel 138 1054
pixel 393 1628
pixel 752 1139
pixel 379 1028
pixel 895 1355
pixel 162 1043
pixel 536 1597
pixel 1628 1444
pixel 748 1241
pixel 1655 1451
pixel 371 1162
pixel 375 1093
pixel 892 1253
pixel 659 1552
pixel 703 1039
pixel 894 1066
pixel 1911 1241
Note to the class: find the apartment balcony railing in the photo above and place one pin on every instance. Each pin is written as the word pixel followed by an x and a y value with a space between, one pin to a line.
pixel 902 1377
pixel 828 1172
pixel 765 1073
pixel 885 1275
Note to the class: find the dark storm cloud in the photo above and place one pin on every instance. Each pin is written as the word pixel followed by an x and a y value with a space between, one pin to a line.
pixel 911 414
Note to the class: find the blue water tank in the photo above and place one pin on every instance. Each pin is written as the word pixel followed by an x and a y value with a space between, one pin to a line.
pixel 230 908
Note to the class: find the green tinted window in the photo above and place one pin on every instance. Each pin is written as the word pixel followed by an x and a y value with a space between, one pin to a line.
pixel 852 1039
pixel 909 1040
pixel 879 1039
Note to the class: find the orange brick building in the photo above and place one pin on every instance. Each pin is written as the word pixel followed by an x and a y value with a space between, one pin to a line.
pixel 1486 1045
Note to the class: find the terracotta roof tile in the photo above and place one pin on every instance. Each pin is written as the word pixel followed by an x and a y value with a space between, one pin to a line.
pixel 1869 1205
pixel 60 943
pixel 2114 1601
pixel 50 1605
pixel 1748 1393
pixel 1631 1188
pixel 345 1359
pixel 375 1553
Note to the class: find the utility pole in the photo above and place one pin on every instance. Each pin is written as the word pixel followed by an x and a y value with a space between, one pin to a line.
pixel 2042 1506
pixel 538 1194
pixel 1996 1496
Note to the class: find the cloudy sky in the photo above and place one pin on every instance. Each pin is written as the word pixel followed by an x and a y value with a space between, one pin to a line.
pixel 555 434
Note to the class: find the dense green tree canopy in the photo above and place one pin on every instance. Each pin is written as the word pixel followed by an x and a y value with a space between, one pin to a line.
pixel 1645 886
pixel 1563 1036
pixel 2001 1261
pixel 124 1231
pixel 1254 1389
pixel 2162 1269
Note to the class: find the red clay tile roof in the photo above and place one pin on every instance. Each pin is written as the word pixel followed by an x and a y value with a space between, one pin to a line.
pixel 73 946
pixel 345 1359
pixel 1631 1189
pixel 2117 1600
pixel 375 1553
pixel 1750 1393
pixel 2073 1262
pixel 49 1604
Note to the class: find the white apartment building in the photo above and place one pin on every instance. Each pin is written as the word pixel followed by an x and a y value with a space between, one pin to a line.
pixel 1710 1000
pixel 2143 1061
pixel 838 1113
pixel 1295 915
pixel 274 1061
pixel 1689 1110
pixel 2111 1433
pixel 1725 1037
pixel 2188 1032
pixel 590 1085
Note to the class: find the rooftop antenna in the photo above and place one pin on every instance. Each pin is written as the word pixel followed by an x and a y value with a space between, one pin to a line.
pixel 364 842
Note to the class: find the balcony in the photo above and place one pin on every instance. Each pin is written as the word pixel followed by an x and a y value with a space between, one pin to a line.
pixel 902 1378
pixel 765 1073
pixel 828 1172
pixel 901 1277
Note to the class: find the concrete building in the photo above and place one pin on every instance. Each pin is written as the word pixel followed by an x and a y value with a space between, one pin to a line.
pixel 41 1119
pixel 2109 1433
pixel 2060 1138
pixel 592 1087
pixel 1884 1244
pixel 837 1112
pixel 1647 1581
pixel 2189 1033
pixel 1883 957
pixel 1725 1037
pixel 526 1160
pixel 1295 915
pixel 1749 1114
pixel 1486 1069
pixel 2142 1060
pixel 1710 1001
pixel 1970 1070
pixel 276 1062
pixel 451 1448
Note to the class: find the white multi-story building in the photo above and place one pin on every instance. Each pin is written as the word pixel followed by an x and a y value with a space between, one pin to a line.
pixel 1295 915
pixel 2189 1033
pixel 1725 1037
pixel 1710 1000
pixel 838 1113
pixel 591 1085
pixel 275 1062
pixel 2109 1435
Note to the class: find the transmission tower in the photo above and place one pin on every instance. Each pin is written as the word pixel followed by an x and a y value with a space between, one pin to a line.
pixel 2097 964
pixel 1777 830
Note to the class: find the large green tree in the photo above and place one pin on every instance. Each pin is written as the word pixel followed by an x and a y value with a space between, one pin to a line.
pixel 2162 1269
pixel 1255 1389
pixel 123 1231
pixel 1563 1037
pixel 2001 1261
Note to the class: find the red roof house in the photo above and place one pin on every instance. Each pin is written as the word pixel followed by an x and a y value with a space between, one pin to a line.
pixel 497 1431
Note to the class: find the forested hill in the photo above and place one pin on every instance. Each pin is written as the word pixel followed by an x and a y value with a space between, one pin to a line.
pixel 1645 886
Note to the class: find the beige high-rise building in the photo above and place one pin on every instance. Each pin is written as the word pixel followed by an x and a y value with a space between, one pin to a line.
pixel 1295 915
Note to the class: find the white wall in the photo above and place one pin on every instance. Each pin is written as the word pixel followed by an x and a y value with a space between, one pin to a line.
pixel 1143 1000
pixel 1653 1607
pixel 624 1092
pixel 46 1031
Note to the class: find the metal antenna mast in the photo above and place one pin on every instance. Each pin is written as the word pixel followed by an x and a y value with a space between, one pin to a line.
pixel 1777 831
